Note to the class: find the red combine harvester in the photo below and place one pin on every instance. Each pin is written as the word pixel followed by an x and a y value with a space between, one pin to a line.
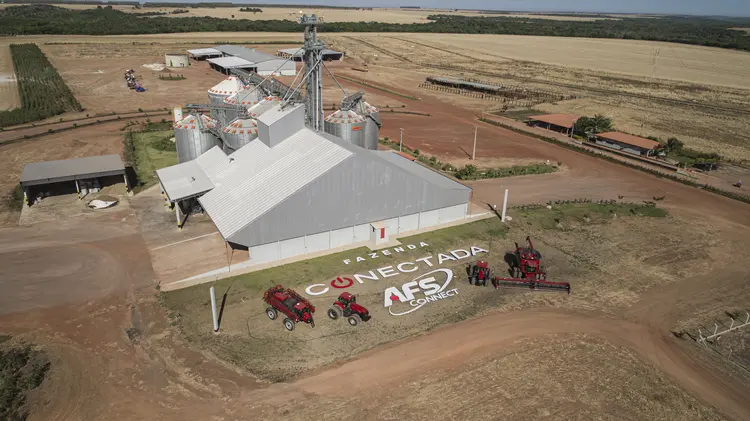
pixel 347 306
pixel 287 301
pixel 526 271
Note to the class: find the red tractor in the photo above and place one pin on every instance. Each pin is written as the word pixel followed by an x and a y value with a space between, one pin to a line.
pixel 347 306
pixel 526 271
pixel 479 273
pixel 287 301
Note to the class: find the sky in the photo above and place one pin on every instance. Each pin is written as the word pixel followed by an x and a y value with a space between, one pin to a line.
pixel 681 7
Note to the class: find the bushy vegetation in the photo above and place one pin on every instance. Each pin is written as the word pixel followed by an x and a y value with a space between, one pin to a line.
pixel 587 126
pixel 45 19
pixel 21 370
pixel 254 10
pixel 471 172
pixel 43 92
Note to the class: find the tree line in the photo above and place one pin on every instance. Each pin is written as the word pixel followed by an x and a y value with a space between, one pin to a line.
pixel 46 19
pixel 43 92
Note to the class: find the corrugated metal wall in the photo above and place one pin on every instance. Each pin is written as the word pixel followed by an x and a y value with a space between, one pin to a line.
pixel 350 235
pixel 357 191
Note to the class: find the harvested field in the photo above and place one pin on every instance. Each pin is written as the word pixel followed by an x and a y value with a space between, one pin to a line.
pixel 9 97
pixel 386 15
pixel 693 64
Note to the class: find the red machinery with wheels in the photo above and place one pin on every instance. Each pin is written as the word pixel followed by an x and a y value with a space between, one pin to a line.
pixel 291 304
pixel 347 306
pixel 479 273
pixel 526 271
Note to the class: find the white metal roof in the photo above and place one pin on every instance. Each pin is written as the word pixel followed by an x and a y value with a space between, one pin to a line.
pixel 194 177
pixel 71 169
pixel 259 177
pixel 204 52
pixel 300 51
pixel 184 180
pixel 231 62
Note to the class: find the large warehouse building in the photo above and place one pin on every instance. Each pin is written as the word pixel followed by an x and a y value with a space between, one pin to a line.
pixel 294 191
pixel 222 58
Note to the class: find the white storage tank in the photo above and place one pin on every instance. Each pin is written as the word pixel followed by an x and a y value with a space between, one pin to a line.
pixel 239 133
pixel 193 138
pixel 264 105
pixel 246 97
pixel 372 130
pixel 347 125
pixel 220 92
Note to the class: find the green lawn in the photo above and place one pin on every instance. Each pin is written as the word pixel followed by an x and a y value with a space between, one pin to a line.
pixel 149 158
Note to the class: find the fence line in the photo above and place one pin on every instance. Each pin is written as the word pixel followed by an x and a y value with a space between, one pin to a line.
pixel 716 334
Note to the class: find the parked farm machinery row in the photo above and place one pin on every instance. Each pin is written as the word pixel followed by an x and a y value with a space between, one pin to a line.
pixel 525 269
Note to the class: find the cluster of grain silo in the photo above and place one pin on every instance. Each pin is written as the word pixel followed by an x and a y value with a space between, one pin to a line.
pixel 194 136
pixel 244 98
pixel 223 90
pixel 347 125
pixel 234 109
pixel 359 125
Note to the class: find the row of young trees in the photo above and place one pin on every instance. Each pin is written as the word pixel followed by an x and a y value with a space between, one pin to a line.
pixel 43 92
pixel 45 19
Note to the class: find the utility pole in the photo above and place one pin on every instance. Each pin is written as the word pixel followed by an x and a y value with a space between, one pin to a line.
pixel 474 151
pixel 401 140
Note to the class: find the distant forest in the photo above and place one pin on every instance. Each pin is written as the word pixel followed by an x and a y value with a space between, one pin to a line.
pixel 46 19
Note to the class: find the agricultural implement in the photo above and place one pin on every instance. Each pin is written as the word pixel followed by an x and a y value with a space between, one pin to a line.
pixel 479 273
pixel 525 270
pixel 289 303
pixel 346 306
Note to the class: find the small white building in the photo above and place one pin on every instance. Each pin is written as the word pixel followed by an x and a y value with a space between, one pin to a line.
pixel 174 60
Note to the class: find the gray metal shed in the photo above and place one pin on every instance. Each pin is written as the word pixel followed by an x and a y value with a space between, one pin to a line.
pixel 84 172
pixel 71 169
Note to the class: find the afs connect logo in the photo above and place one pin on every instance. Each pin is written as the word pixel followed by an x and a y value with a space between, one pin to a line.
pixel 431 287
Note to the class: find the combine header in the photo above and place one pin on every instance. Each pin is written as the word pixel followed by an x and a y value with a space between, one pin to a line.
pixel 525 269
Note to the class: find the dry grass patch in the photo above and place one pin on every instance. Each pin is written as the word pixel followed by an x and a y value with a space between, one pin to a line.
pixel 508 386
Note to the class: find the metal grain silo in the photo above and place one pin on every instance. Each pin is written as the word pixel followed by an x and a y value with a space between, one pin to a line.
pixel 193 138
pixel 220 92
pixel 264 105
pixel 246 98
pixel 347 125
pixel 372 126
pixel 239 133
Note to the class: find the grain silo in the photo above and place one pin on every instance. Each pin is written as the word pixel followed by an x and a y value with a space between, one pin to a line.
pixel 193 136
pixel 372 126
pixel 222 91
pixel 347 125
pixel 246 98
pixel 239 133
pixel 264 105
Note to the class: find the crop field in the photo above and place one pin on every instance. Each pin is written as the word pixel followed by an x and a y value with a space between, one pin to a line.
pixel 386 15
pixel 8 87
pixel 693 64
pixel 43 92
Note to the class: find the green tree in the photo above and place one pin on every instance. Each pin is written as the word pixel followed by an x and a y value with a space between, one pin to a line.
pixel 586 126
pixel 674 145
